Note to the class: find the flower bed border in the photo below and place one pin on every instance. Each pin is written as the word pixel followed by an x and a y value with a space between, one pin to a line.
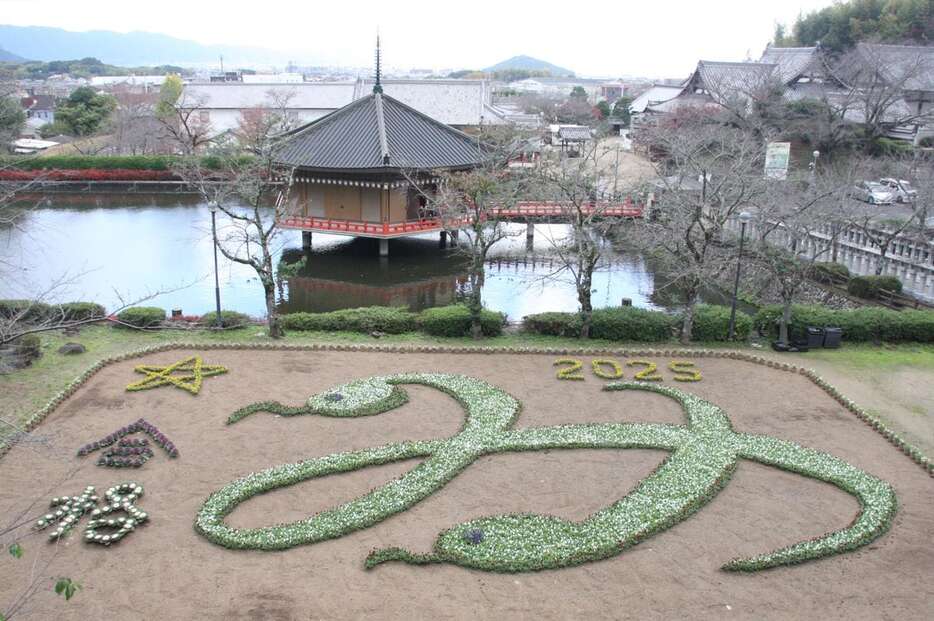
pixel 912 452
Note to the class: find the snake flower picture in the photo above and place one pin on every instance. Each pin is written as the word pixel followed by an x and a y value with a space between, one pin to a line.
pixel 704 453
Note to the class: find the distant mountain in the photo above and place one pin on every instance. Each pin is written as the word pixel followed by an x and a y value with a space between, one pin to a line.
pixel 129 49
pixel 526 63
pixel 9 57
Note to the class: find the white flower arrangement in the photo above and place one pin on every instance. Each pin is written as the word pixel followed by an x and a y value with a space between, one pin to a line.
pixel 705 452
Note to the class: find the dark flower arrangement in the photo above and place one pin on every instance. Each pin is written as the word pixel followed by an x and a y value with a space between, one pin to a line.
pixel 129 452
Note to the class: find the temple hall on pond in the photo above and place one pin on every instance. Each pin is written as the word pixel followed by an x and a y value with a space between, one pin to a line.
pixel 354 171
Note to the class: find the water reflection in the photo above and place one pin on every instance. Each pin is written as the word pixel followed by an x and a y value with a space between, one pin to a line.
pixel 115 247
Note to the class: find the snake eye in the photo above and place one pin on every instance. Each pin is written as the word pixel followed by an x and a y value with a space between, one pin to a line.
pixel 473 536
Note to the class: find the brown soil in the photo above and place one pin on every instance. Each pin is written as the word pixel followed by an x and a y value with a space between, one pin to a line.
pixel 165 570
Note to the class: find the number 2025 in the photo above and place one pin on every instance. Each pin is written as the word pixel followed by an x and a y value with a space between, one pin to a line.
pixel 645 370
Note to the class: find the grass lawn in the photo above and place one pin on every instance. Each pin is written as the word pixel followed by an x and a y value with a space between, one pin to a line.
pixel 895 382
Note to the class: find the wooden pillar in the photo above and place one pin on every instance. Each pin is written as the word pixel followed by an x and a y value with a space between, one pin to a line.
pixel 443 241
pixel 306 240
pixel 384 247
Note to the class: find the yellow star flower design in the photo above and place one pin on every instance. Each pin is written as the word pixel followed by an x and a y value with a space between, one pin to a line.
pixel 186 374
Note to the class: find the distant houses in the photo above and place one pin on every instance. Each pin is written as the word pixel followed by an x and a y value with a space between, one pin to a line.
pixel 898 80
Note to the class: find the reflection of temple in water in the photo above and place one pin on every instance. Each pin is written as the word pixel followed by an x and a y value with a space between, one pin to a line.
pixel 422 276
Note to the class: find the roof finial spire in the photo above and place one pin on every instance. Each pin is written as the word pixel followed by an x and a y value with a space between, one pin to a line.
pixel 377 88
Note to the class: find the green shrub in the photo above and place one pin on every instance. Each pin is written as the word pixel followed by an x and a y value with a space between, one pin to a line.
pixel 24 350
pixel 859 325
pixel 104 162
pixel 712 323
pixel 830 273
pixel 369 319
pixel 455 321
pixel 628 323
pixel 28 311
pixel 229 319
pixel 142 316
pixel 868 287
pixel 80 311
pixel 767 318
pixel 553 324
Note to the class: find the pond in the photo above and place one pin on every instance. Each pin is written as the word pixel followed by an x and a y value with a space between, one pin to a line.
pixel 112 247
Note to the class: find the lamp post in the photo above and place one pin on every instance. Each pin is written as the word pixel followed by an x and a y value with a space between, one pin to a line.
pixel 218 322
pixel 813 165
pixel 744 217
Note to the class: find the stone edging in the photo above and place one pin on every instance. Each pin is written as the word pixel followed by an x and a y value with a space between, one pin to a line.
pixel 913 453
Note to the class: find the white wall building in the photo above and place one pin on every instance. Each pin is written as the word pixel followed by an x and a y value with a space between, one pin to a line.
pixel 461 103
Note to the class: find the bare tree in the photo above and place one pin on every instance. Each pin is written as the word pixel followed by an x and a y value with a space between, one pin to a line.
pixel 713 172
pixel 579 189
pixel 184 118
pixel 134 127
pixel 470 203
pixel 244 188
pixel 799 212
pixel 259 123
pixel 880 83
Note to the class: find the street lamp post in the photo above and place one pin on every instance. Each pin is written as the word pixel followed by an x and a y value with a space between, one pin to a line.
pixel 813 165
pixel 218 322
pixel 744 217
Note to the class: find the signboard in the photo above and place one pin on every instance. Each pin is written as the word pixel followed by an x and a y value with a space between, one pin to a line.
pixel 777 155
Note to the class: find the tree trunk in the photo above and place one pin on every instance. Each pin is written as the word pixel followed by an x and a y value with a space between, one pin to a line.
pixel 475 299
pixel 688 326
pixel 883 260
pixel 586 310
pixel 783 322
pixel 272 313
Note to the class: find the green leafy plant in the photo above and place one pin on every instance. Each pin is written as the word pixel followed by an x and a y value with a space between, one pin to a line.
pixel 391 320
pixel 628 323
pixel 229 319
pixel 141 316
pixel 869 287
pixel 712 323
pixel 455 321
pixel 67 588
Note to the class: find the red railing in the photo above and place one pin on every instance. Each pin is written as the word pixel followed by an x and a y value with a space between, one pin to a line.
pixel 357 227
pixel 527 209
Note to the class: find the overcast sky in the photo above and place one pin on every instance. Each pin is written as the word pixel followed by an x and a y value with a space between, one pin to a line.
pixel 657 38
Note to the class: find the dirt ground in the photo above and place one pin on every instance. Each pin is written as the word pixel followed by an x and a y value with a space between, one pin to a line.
pixel 165 570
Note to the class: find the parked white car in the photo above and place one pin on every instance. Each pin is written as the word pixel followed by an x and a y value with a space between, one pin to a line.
pixel 902 189
pixel 873 193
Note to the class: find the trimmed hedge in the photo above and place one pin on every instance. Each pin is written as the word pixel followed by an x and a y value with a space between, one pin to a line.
pixel 368 319
pixel 31 310
pixel 624 323
pixel 628 323
pixel 229 319
pixel 36 312
pixel 553 324
pixel 712 323
pixel 80 162
pixel 106 162
pixel 858 325
pixel 830 273
pixel 455 321
pixel 142 316
pixel 868 287
pixel 79 311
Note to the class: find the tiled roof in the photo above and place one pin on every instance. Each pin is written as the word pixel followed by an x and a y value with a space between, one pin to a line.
pixel 909 65
pixel 725 78
pixel 454 102
pixel 377 133
pixel 792 62
pixel 654 95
